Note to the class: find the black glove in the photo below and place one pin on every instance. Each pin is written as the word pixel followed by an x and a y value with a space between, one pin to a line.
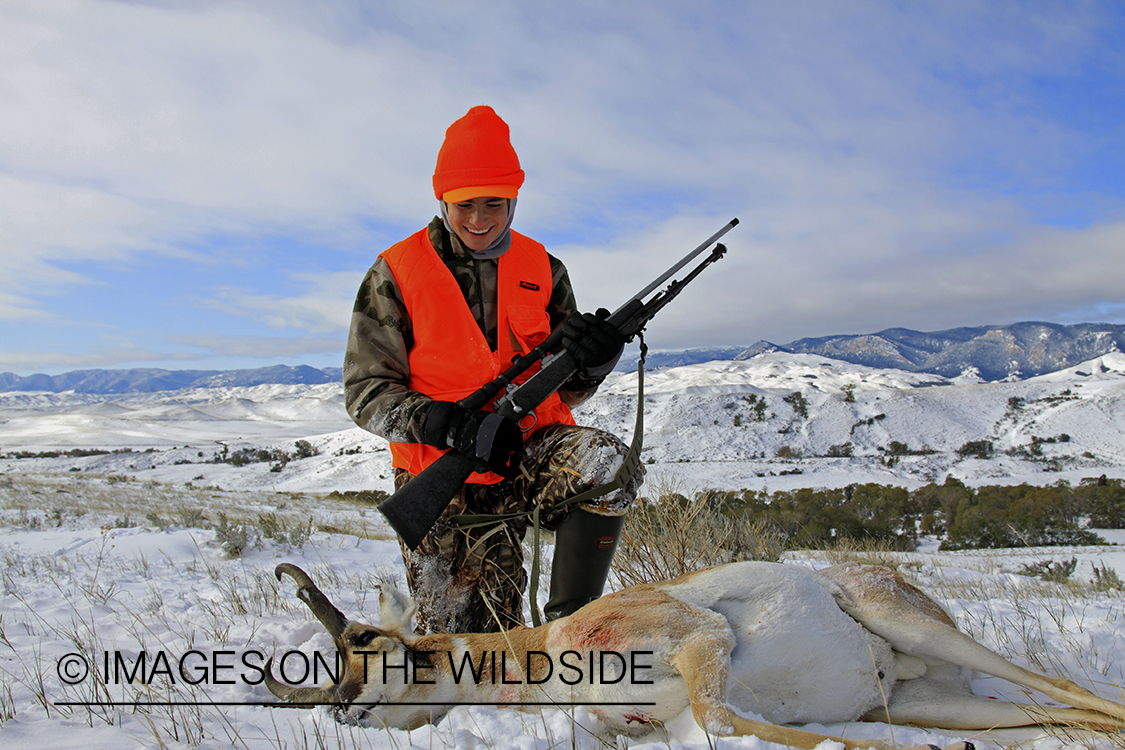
pixel 593 341
pixel 497 442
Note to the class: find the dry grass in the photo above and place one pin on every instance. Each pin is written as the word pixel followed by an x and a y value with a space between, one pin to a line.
pixel 864 551
pixel 59 500
pixel 671 536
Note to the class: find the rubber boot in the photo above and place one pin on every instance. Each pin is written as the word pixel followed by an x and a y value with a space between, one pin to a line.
pixel 584 545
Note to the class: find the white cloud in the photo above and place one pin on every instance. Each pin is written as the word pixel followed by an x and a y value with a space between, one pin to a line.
pixel 324 306
pixel 867 148
pixel 109 356
pixel 197 351
pixel 781 289
pixel 261 347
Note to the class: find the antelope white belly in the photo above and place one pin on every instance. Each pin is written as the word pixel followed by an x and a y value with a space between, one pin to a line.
pixel 797 656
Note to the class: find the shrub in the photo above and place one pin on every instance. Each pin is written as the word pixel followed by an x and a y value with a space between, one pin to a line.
pixel 275 528
pixel 245 456
pixel 1018 516
pixel 898 449
pixel 234 538
pixel 1050 571
pixel 760 410
pixel 304 449
pixel 1106 579
pixel 880 516
pixel 814 518
pixel 1103 500
pixel 938 504
pixel 982 449
pixel 800 404
pixel 868 422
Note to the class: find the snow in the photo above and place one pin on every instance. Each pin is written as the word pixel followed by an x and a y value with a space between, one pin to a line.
pixel 700 425
pixel 80 578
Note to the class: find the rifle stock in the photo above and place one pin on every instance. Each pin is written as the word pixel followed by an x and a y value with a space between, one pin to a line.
pixel 413 510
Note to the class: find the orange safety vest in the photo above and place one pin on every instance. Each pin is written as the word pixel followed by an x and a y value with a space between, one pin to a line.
pixel 451 357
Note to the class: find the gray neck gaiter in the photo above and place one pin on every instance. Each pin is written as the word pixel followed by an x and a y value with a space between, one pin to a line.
pixel 499 246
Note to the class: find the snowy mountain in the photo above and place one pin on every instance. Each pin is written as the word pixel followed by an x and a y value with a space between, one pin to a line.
pixel 1021 350
pixel 153 380
pixel 779 420
pixel 1016 351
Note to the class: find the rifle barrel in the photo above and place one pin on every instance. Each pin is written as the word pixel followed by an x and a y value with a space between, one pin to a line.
pixel 683 262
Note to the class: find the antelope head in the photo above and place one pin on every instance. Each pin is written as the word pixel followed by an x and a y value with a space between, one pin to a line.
pixel 362 648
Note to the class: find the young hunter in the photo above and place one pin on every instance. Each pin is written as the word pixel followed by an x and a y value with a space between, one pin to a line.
pixel 437 316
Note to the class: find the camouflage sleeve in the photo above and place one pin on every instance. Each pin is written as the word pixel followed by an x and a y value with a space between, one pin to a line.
pixel 578 389
pixel 562 301
pixel 376 363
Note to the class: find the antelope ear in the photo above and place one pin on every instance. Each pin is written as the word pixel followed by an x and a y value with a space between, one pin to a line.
pixel 395 610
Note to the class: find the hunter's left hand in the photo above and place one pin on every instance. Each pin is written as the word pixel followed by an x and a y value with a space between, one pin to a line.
pixel 593 341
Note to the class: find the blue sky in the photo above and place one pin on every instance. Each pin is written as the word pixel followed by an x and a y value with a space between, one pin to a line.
pixel 201 185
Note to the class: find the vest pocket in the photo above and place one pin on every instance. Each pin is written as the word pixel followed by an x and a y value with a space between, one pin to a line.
pixel 528 326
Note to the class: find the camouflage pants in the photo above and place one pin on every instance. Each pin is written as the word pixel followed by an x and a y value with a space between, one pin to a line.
pixel 472 580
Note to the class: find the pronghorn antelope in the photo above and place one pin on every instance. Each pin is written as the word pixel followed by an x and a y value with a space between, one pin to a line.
pixel 795 646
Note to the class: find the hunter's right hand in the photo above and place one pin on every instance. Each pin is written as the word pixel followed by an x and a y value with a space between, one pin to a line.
pixel 497 442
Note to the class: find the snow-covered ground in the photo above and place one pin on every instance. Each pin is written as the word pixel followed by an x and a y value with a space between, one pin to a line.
pixel 80 583
pixel 105 553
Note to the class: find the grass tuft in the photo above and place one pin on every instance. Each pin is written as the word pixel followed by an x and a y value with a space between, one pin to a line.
pixel 675 534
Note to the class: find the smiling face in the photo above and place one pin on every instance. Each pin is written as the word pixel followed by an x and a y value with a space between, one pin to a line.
pixel 478 222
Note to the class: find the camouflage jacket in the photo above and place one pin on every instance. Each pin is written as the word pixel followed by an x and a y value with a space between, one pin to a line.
pixel 376 361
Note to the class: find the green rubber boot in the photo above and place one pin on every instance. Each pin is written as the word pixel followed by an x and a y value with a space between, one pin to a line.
pixel 584 545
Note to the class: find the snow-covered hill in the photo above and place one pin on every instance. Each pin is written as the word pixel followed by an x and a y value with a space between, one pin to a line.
pixel 717 424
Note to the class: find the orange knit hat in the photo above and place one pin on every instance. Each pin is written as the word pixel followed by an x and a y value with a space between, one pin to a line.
pixel 477 159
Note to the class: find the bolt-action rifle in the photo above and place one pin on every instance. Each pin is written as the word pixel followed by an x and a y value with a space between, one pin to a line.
pixel 414 509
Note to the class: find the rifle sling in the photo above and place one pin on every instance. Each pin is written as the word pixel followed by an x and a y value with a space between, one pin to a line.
pixel 621 477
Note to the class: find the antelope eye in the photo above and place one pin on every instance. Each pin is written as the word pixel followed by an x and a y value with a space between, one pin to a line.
pixel 362 639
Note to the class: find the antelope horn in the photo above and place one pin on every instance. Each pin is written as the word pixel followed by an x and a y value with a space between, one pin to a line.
pixel 331 618
pixel 298 697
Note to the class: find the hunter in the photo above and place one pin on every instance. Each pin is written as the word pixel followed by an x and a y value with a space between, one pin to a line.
pixel 437 316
